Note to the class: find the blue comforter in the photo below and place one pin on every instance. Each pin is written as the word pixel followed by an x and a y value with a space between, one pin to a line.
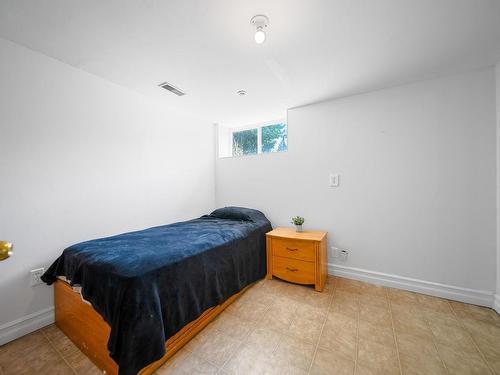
pixel 149 284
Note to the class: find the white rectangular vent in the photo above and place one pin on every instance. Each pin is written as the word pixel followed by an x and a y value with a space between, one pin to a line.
pixel 169 87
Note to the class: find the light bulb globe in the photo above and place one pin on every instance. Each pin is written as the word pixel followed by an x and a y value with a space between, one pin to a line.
pixel 260 36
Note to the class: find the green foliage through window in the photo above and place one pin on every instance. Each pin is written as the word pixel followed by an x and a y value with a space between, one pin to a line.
pixel 245 142
pixel 263 139
pixel 274 138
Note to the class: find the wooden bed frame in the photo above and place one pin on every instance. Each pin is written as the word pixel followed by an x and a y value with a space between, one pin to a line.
pixel 90 333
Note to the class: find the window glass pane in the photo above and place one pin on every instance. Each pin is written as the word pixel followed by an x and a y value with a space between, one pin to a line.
pixel 245 142
pixel 274 138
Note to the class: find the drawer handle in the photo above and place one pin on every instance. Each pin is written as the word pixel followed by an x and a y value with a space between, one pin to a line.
pixel 292 269
pixel 291 249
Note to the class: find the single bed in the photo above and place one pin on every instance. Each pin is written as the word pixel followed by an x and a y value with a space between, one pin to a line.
pixel 151 291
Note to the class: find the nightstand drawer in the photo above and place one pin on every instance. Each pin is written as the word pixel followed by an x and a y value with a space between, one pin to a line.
pixel 291 248
pixel 296 271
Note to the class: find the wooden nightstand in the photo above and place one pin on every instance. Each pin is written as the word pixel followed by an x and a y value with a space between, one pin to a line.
pixel 298 257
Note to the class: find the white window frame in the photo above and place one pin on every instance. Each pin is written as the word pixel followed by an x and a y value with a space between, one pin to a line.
pixel 259 127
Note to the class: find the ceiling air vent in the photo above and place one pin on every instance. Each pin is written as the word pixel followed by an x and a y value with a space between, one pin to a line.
pixel 169 87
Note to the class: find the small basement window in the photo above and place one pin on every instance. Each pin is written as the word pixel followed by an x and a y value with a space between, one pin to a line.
pixel 251 140
pixel 245 142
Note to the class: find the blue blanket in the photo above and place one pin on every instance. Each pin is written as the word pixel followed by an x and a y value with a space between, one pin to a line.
pixel 149 284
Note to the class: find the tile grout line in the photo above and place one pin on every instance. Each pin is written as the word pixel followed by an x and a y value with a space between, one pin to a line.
pixel 436 346
pixel 285 332
pixel 394 331
pixel 321 333
pixel 58 352
pixel 192 352
pixel 434 341
pixel 240 344
pixel 473 341
pixel 220 370
pixel 356 347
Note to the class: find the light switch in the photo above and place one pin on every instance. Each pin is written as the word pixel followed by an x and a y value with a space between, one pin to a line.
pixel 334 180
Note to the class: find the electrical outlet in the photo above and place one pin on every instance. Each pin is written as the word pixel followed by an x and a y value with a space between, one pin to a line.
pixel 35 276
pixel 340 255
pixel 334 180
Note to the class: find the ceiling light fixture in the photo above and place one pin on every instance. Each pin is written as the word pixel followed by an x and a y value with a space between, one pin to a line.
pixel 260 22
pixel 241 92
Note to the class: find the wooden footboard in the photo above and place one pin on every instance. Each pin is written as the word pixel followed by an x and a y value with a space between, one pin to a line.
pixel 89 332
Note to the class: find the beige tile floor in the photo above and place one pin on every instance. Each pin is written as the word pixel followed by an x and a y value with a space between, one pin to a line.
pixel 281 328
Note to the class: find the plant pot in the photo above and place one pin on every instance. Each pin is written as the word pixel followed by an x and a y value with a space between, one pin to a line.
pixel 298 228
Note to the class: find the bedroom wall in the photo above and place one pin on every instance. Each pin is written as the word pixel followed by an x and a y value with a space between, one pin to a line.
pixel 82 158
pixel 416 205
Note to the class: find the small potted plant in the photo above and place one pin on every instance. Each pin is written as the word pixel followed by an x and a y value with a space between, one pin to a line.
pixel 298 221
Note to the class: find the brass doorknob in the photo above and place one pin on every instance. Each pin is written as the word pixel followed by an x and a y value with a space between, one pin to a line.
pixel 5 250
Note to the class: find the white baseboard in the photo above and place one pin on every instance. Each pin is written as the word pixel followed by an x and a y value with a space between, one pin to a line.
pixel 496 303
pixel 474 296
pixel 27 324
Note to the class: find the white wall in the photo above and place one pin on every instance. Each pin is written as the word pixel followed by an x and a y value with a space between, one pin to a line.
pixel 82 158
pixel 417 192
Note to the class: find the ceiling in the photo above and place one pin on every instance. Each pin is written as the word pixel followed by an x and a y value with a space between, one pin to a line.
pixel 315 50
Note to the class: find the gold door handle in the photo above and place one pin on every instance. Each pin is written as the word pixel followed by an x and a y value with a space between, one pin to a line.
pixel 5 250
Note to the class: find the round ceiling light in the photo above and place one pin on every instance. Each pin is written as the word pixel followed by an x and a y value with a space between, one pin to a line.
pixel 260 36
pixel 241 92
pixel 260 22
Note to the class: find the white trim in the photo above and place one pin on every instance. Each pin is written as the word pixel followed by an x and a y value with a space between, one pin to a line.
pixel 259 140
pixel 496 303
pixel 27 324
pixel 456 293
pixel 281 120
